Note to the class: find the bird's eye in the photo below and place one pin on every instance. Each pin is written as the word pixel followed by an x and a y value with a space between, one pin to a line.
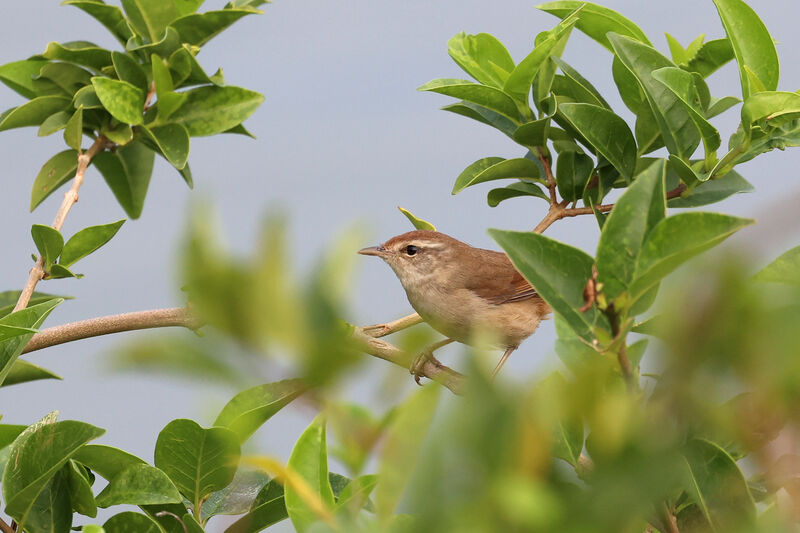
pixel 411 249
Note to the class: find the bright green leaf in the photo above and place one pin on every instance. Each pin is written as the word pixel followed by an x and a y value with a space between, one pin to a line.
pixel 23 372
pixel 73 132
pixel 481 56
pixel 139 484
pixel 58 272
pixel 596 21
pixel 711 56
pixel 769 105
pixel 720 105
pixel 66 75
pixel 33 113
pixel 87 241
pixel 87 99
pixel 785 269
pixel 124 101
pixel 418 223
pixel 309 460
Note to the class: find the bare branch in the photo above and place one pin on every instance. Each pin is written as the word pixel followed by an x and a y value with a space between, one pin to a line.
pixel 381 330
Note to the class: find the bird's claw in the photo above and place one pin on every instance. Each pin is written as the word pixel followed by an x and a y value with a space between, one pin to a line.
pixel 417 368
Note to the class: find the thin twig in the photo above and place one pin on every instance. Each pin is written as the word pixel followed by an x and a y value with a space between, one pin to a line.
pixel 381 330
pixel 551 182
pixel 622 354
pixel 70 197
pixel 667 522
pixel 4 527
pixel 94 327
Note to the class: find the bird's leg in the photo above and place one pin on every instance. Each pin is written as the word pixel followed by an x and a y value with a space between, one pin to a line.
pixel 426 355
pixel 503 360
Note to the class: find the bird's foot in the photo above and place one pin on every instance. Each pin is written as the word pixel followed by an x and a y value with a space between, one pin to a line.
pixel 417 368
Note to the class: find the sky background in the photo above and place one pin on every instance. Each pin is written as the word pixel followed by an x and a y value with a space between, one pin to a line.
pixel 343 137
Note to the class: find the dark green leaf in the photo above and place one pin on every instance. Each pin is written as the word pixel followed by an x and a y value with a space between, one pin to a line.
pixel 606 132
pixel 51 511
pixel 678 131
pixel 495 168
pixel 30 317
pixel 785 269
pixel 172 141
pixel 713 191
pixel 139 484
pixel 483 95
pixel 483 115
pixel 711 56
pixel 73 132
pixel 106 460
pixel 9 298
pixel 634 216
pixel 109 16
pixel 58 170
pixel 533 133
pixel 149 18
pixel 187 71
pixel 250 409
pixel 309 460
pixel 23 372
pixel 199 28
pixel 752 44
pixel 67 76
pixel 418 223
pixel 124 101
pixel 53 123
pixel 589 94
pixel 131 522
pixel 36 455
pixel 87 241
pixel 515 190
pixel 80 53
pixel 261 516
pixel 58 272
pixel 22 77
pixel 596 21
pixel 129 70
pixel 212 110
pixel 481 56
pixel 676 239
pixel 199 461
pixel 33 113
pixel 49 242
pixel 647 132
pixel 127 171
pixel 558 272
pixel 573 171
pixel 80 489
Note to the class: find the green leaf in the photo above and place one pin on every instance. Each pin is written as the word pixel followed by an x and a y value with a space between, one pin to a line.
pixel 418 223
pixel 309 460
pixel 712 191
pixel 679 132
pixel 236 498
pixel 33 113
pixel 640 208
pixel 495 168
pixel 105 460
pixel 36 455
pixel 682 85
pixel 770 105
pixel 267 510
pixel 596 21
pixel 573 171
pixel 87 241
pixel 481 56
pixel 131 522
pixel 187 71
pixel 58 272
pixel 752 44
pixel 569 431
pixel 67 76
pixel 403 447
pixel 679 55
pixel 251 408
pixel 30 317
pixel 124 101
pixel 127 172
pixel 534 133
pixel 720 105
pixel 8 300
pixel 711 56
pixel 199 461
pixel 172 141
pixel 53 123
pixel 80 53
pixel 515 190
pixel 80 489
pixel 557 271
pixel 120 134
pixel 149 18
pixel 483 115
pixel 518 84
pixel 785 269
pixel 87 99
pixel 677 239
pixel 167 45
pixel 139 484
pixel 482 95
pixel 109 16
pixel 49 242
pixel 718 486
pixel 212 110
pixel 52 510
pixel 129 70
pixel 606 132
pixel 167 100
pixel 581 85
pixel 58 170
pixel 73 134
pixel 23 372
pixel 199 28
pixel 187 7
pixel 22 77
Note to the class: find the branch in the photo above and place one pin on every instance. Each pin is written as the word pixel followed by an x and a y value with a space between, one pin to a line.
pixel 70 197
pixel 381 330
pixel 5 528
pixel 94 327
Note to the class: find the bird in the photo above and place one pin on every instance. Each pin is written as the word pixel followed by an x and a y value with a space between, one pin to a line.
pixel 460 291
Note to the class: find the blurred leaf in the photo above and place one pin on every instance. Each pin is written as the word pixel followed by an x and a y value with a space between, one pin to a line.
pixel 309 460
pixel 676 239
pixel 483 95
pixel 73 132
pixel 36 456
pixel 495 168
pixel 212 110
pixel 557 271
pixel 402 448
pixel 713 191
pixel 87 241
pixel 33 112
pixel 718 486
pixel 711 56
pixel 197 29
pixel 149 18
pixel 677 129
pixel 22 77
pixel 139 484
pixel 124 101
pixel 199 461
pixel 127 172
pixel 109 16
pixel 751 42
pixel 80 489
pixel 23 372
pixel 785 269
pixel 483 115
pixel 58 170
pixel 481 56
pixel 418 223
pixel 596 21
pixel 355 431
pixel 606 132
pixel 49 242
pixel 573 171
pixel 236 498
pixel 682 84
pixel 131 522
pixel 106 460
pixel 30 317
pixel 251 408
pixel 515 190
pixel 355 494
pixel 634 216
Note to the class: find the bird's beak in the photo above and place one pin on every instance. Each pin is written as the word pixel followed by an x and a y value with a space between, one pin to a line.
pixel 373 250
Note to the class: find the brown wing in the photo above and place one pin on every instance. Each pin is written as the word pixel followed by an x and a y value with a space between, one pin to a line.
pixel 497 281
